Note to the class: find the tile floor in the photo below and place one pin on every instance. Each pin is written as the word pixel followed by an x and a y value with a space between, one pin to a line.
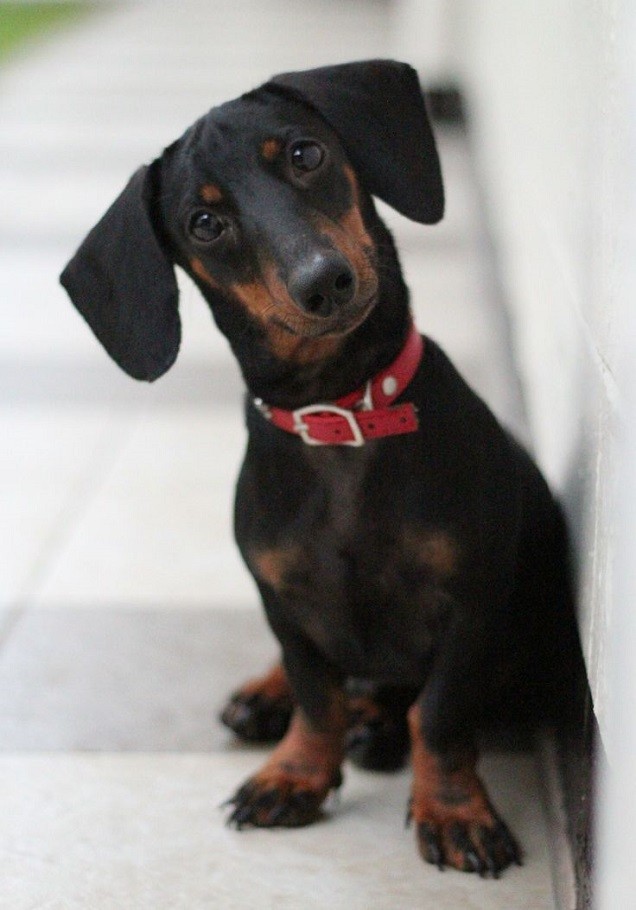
pixel 125 614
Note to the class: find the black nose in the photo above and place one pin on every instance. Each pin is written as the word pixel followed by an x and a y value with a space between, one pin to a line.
pixel 322 283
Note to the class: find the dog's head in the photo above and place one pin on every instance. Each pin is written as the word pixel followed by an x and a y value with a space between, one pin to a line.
pixel 265 201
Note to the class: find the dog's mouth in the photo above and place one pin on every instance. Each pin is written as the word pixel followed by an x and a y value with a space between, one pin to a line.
pixel 339 323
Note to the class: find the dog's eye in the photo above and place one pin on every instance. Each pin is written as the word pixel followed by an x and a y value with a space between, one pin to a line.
pixel 306 156
pixel 205 227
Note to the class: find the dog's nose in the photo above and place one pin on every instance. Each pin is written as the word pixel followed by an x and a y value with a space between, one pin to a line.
pixel 322 284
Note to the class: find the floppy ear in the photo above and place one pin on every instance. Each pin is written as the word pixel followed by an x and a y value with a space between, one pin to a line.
pixel 123 284
pixel 377 108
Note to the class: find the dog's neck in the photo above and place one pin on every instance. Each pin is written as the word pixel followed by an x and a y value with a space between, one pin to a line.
pixel 291 383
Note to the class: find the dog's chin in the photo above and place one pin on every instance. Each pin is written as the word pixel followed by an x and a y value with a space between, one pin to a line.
pixel 341 323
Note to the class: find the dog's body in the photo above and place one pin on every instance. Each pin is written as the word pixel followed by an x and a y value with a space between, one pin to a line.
pixel 430 560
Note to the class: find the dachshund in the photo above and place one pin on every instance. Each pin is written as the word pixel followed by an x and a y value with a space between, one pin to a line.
pixel 397 534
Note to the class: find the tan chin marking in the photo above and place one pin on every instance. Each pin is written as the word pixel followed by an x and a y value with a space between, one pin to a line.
pixel 303 350
pixel 287 331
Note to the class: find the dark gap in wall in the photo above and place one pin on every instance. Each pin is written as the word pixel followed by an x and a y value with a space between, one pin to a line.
pixel 446 104
pixel 581 755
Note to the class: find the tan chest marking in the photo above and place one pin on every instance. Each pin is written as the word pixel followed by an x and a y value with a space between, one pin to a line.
pixel 274 565
pixel 436 551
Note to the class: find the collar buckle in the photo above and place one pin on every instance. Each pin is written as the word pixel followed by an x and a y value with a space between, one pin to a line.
pixel 303 430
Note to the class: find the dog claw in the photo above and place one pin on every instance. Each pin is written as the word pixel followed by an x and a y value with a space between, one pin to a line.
pixel 272 807
pixel 499 841
pixel 486 850
pixel 240 817
pixel 276 816
pixel 491 866
pixel 462 843
pixel 408 818
pixel 474 863
pixel 430 847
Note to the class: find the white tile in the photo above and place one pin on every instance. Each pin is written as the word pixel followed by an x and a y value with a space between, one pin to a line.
pixel 159 530
pixel 77 200
pixel 227 46
pixel 144 831
pixel 50 465
pixel 38 318
pixel 125 679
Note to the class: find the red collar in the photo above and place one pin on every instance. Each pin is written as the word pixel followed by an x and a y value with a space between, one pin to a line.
pixel 360 415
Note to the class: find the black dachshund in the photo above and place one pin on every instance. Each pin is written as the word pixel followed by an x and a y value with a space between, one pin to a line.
pixel 396 532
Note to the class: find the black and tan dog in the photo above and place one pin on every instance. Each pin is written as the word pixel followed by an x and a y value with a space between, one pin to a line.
pixel 396 532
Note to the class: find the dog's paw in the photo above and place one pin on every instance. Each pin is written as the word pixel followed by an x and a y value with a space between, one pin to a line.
pixel 260 711
pixel 485 846
pixel 257 717
pixel 279 799
pixel 376 740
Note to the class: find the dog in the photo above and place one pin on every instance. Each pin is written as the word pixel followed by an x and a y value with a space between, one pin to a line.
pixel 396 532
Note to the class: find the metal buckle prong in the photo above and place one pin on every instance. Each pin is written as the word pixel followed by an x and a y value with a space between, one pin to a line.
pixel 303 430
pixel 366 403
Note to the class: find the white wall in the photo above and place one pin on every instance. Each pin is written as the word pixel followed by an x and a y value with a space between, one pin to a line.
pixel 551 90
pixel 423 33
pixel 617 878
pixel 545 84
pixel 546 98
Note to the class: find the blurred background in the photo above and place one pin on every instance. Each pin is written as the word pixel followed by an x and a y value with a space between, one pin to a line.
pixel 116 497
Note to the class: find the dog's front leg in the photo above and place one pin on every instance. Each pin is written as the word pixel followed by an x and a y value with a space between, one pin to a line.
pixel 294 783
pixel 456 823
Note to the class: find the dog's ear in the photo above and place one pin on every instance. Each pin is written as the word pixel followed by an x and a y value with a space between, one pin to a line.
pixel 123 283
pixel 377 108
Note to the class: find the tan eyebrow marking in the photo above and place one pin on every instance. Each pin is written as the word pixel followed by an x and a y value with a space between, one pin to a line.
pixel 270 148
pixel 211 193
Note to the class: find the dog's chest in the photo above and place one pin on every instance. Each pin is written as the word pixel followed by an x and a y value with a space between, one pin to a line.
pixel 362 580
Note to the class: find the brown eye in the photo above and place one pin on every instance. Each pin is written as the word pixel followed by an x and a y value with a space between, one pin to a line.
pixel 306 156
pixel 205 227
